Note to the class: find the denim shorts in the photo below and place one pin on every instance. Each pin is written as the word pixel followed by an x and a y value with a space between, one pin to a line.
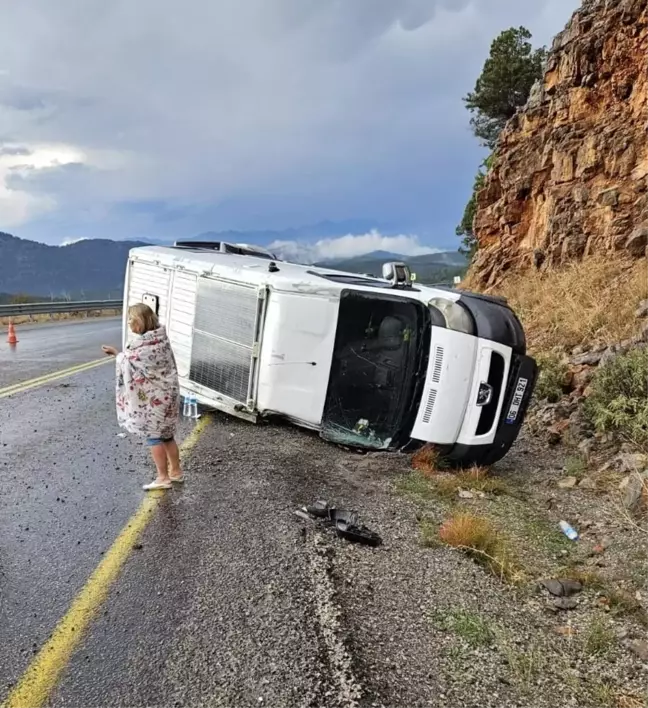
pixel 152 442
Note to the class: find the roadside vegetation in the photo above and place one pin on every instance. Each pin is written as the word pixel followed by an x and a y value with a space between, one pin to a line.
pixel 618 401
pixel 587 302
pixel 508 75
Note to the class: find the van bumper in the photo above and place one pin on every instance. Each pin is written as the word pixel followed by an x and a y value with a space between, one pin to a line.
pixel 523 368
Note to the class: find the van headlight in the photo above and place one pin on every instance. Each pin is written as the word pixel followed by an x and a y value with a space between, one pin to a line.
pixel 455 316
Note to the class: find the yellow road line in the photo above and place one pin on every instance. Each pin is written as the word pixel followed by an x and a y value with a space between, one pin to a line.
pixel 42 675
pixel 49 378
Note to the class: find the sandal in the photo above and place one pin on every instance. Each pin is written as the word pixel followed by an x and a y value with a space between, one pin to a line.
pixel 357 533
pixel 320 510
pixel 152 486
pixel 177 480
pixel 346 523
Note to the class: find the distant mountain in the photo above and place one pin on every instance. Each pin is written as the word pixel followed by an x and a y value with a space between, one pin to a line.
pixel 323 229
pixel 86 269
pixel 429 268
pixel 94 268
pixel 382 256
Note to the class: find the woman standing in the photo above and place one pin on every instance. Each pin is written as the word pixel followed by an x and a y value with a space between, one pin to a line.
pixel 148 393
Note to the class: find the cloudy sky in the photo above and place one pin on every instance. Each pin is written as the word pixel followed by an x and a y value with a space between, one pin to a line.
pixel 160 119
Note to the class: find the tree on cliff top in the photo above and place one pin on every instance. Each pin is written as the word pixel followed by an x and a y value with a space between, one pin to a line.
pixel 510 71
pixel 468 246
pixel 504 85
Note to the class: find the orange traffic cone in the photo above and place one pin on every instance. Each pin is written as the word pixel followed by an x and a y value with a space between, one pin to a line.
pixel 11 338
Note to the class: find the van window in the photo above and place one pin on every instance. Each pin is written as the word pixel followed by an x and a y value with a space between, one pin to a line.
pixel 380 353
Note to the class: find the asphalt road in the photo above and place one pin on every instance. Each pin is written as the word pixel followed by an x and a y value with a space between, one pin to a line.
pixel 228 599
pixel 45 348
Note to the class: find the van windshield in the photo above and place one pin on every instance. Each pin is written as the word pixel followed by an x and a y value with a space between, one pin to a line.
pixel 379 359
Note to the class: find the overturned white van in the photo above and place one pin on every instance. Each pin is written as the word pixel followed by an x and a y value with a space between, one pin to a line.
pixel 369 362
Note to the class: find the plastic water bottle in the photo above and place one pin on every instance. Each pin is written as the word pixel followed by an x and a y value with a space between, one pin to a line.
pixel 569 531
pixel 186 412
pixel 193 407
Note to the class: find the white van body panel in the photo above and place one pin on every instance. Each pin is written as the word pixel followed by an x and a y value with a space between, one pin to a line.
pixel 180 320
pixel 448 385
pixel 296 355
pixel 287 359
pixel 470 420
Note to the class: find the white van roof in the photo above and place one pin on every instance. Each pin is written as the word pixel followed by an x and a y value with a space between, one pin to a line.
pixel 294 277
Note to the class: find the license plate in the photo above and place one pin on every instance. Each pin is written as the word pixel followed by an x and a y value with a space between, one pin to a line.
pixel 517 400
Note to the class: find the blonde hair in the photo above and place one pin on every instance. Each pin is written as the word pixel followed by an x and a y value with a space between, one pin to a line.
pixel 144 316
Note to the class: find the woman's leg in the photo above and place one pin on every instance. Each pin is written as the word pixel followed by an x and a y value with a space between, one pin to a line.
pixel 159 455
pixel 173 456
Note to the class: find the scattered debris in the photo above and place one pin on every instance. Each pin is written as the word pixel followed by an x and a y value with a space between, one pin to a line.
pixel 634 487
pixel 640 648
pixel 346 523
pixel 565 603
pixel 569 531
pixel 586 447
pixel 587 483
pixel 568 483
pixel 625 463
pixel 565 631
pixel 465 494
pixel 561 588
pixel 121 435
pixel 302 515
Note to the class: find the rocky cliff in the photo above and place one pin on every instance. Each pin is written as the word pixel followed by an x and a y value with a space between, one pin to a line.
pixel 570 175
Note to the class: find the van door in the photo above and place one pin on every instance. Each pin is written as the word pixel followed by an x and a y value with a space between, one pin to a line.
pixel 149 283
pixel 227 328
pixel 379 358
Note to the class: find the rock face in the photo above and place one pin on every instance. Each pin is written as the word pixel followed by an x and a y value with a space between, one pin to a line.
pixel 570 176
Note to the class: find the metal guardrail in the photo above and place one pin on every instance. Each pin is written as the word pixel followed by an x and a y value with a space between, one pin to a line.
pixel 52 308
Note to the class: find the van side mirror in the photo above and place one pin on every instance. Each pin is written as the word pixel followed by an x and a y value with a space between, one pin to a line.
pixel 398 274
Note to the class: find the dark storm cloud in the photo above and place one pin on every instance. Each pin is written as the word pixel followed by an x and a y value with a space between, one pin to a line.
pixel 291 110
pixel 14 151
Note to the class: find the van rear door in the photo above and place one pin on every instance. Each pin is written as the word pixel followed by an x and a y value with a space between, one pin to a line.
pixel 228 323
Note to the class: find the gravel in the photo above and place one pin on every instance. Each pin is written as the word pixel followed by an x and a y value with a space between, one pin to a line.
pixel 236 601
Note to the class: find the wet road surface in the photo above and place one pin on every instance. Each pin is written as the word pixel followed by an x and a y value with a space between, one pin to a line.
pixel 46 348
pixel 227 598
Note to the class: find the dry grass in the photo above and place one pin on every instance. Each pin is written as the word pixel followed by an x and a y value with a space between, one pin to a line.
pixel 605 695
pixel 617 600
pixel 623 603
pixel 478 539
pixel 474 629
pixel 427 460
pixel 476 479
pixel 445 487
pixel 593 300
pixel 575 466
pixel 416 484
pixel 588 578
pixel 469 531
pixel 599 637
pixel 526 664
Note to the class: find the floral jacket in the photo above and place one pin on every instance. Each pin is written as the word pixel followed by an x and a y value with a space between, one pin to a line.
pixel 147 386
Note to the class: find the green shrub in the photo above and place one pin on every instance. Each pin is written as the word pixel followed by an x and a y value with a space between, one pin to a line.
pixel 575 466
pixel 551 379
pixel 618 402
